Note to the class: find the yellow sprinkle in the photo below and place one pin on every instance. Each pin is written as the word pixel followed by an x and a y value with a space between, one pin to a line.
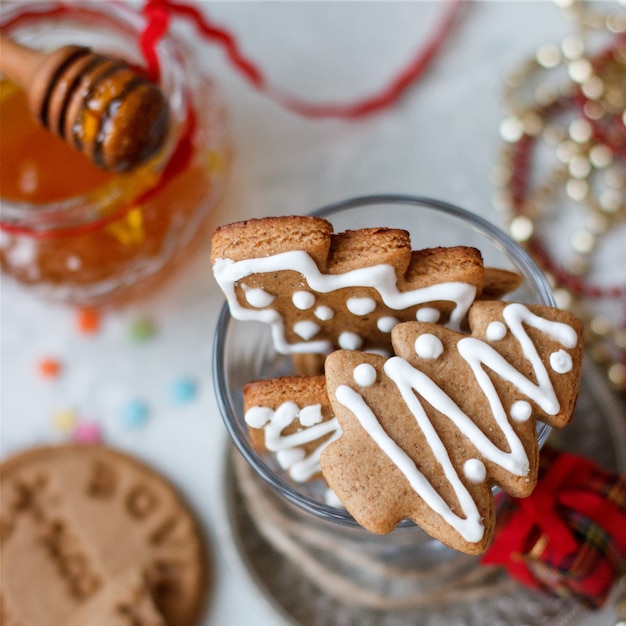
pixel 64 420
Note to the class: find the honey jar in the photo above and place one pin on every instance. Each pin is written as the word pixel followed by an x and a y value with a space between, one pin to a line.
pixel 80 235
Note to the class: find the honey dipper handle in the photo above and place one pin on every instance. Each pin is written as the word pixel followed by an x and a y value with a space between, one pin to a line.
pixel 18 62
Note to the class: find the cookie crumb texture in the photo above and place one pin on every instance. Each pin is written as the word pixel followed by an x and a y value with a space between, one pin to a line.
pixel 92 536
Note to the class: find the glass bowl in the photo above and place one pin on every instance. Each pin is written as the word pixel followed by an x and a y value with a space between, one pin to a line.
pixel 243 351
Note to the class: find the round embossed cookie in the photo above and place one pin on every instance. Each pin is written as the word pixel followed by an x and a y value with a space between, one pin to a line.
pixel 77 520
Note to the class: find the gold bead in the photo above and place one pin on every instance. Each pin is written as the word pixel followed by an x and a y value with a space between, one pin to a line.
pixel 563 298
pixel 611 200
pixel 573 47
pixel 620 338
pixel 580 130
pixel 617 375
pixel 511 129
pixel 600 156
pixel 593 87
pixel 579 70
pixel 601 326
pixel 577 189
pixel 579 167
pixel 566 150
pixel 593 110
pixel 521 228
pixel 583 242
pixel 548 56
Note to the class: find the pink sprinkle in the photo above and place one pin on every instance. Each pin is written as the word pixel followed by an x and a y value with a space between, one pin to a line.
pixel 87 432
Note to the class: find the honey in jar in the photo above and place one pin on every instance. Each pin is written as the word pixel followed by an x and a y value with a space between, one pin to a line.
pixel 84 236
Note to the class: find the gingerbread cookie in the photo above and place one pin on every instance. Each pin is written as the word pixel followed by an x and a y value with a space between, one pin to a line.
pixel 291 417
pixel 322 291
pixel 426 433
pixel 78 521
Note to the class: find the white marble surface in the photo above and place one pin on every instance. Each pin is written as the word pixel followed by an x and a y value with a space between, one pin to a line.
pixel 441 140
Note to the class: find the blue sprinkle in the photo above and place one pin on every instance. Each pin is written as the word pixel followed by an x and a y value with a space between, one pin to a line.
pixel 135 413
pixel 183 390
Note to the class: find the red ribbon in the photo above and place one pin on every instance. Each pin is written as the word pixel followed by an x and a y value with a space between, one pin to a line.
pixel 159 13
pixel 540 517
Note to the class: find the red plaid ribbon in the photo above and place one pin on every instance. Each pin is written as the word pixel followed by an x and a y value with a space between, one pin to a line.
pixel 569 537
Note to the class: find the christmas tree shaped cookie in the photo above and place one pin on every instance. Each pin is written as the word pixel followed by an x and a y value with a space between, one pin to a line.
pixel 426 433
pixel 320 291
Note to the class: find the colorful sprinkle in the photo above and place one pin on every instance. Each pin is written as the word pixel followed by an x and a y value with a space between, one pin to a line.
pixel 183 390
pixel 49 367
pixel 64 420
pixel 87 433
pixel 135 413
pixel 142 329
pixel 88 321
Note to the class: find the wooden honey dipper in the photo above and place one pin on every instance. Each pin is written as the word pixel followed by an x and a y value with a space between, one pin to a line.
pixel 98 104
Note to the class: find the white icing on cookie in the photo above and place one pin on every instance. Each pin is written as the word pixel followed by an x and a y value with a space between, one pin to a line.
pixel 521 410
pixel 381 277
pixel 496 331
pixel 324 313
pixel 427 314
pixel 428 346
pixel 306 329
pixel 290 455
pixel 414 385
pixel 470 526
pixel 360 306
pixel 475 470
pixel 386 324
pixel 561 362
pixel 310 415
pixel 303 300
pixel 257 297
pixel 364 375
pixel 350 341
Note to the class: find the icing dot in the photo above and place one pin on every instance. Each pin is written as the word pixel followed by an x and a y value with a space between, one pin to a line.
pixel 496 331
pixel 324 313
pixel 561 362
pixel 361 306
pixel 258 416
pixel 306 329
pixel 428 346
pixel 427 314
pixel 310 415
pixel 475 470
pixel 364 375
pixel 521 411
pixel 303 300
pixel 350 341
pixel 386 324
pixel 257 297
